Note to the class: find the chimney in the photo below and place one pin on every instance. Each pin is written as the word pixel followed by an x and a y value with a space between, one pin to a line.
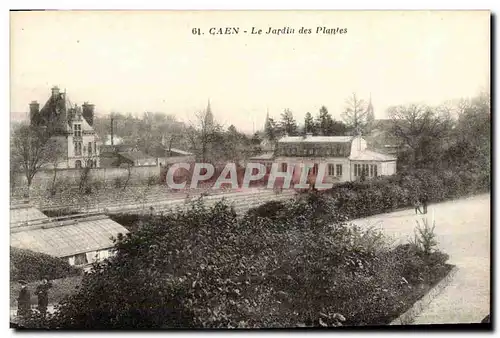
pixel 55 91
pixel 34 110
pixel 88 113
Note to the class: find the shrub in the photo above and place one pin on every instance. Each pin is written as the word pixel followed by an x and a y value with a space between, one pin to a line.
pixel 299 264
pixel 425 238
pixel 268 209
pixel 31 266
pixel 152 180
pixel 118 182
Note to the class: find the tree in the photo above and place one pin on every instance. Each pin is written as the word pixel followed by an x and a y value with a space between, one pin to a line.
pixel 422 129
pixel 85 171
pixel 55 161
pixel 355 115
pixel 472 135
pixel 288 123
pixel 327 125
pixel 272 130
pixel 33 148
pixel 324 120
pixel 337 128
pixel 202 133
pixel 309 125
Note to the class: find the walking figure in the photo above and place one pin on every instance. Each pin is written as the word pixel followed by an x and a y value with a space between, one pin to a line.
pixel 417 204
pixel 23 301
pixel 42 291
pixel 424 202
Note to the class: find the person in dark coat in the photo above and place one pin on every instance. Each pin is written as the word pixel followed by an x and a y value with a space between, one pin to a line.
pixel 417 203
pixel 42 291
pixel 23 301
pixel 425 200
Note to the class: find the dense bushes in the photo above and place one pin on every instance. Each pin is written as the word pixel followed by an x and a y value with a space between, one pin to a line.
pixel 205 267
pixel 383 194
pixel 32 266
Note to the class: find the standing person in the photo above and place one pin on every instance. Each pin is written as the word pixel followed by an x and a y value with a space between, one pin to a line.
pixel 23 301
pixel 42 291
pixel 417 204
pixel 425 200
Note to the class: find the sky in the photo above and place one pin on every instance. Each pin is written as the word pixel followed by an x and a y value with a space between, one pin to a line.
pixel 137 61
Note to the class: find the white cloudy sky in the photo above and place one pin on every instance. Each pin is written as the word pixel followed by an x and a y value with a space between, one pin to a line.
pixel 133 61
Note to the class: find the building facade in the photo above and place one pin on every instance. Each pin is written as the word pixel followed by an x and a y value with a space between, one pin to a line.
pixel 71 126
pixel 346 158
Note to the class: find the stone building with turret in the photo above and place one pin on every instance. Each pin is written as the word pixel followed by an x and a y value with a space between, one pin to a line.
pixel 71 126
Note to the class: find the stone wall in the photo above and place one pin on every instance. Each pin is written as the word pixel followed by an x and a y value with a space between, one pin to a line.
pixel 43 178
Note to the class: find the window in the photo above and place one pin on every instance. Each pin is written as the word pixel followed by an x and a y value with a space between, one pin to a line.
pixel 339 170
pixel 294 151
pixel 357 170
pixel 315 169
pixel 81 259
pixel 310 151
pixel 373 170
pixel 90 148
pixel 328 151
pixel 77 130
pixel 284 167
pixel 331 170
pixel 78 148
pixel 305 151
pixel 364 170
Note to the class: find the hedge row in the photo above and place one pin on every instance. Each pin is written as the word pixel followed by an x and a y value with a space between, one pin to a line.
pixel 384 194
pixel 33 266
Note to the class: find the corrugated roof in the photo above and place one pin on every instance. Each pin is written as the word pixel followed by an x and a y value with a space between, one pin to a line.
pixel 368 155
pixel 315 139
pixel 25 214
pixel 68 240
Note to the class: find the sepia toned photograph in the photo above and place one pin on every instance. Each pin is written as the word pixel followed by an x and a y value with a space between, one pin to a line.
pixel 250 169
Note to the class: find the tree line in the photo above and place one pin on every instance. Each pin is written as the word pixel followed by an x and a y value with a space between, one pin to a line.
pixel 452 134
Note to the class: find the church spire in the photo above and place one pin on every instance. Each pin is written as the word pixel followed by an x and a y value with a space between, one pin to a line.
pixel 209 117
pixel 370 114
pixel 267 118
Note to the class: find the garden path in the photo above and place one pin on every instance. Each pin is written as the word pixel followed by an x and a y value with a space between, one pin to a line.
pixel 463 232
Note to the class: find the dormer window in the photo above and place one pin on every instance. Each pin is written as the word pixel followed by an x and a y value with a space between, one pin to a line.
pixel 77 130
